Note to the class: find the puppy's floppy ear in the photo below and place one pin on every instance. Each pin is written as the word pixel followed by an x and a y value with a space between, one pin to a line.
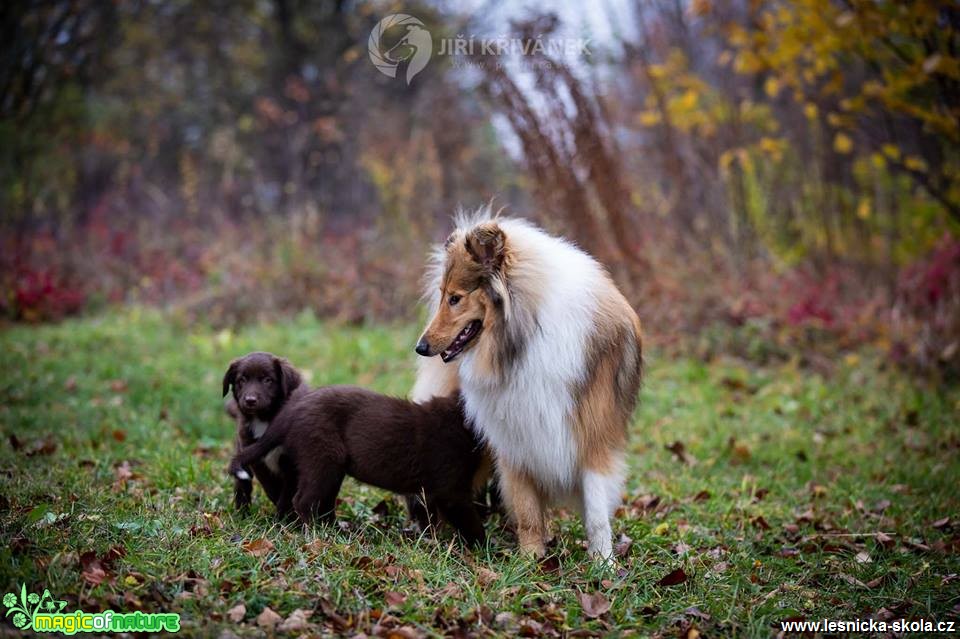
pixel 230 377
pixel 485 244
pixel 289 377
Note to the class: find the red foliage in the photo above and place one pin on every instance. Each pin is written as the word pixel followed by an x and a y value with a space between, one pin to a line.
pixel 44 294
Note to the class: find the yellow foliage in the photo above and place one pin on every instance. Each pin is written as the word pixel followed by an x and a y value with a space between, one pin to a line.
pixel 891 151
pixel 842 143
pixel 771 86
pixel 649 118
pixel 915 163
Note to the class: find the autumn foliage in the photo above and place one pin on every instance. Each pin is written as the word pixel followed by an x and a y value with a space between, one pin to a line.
pixel 785 166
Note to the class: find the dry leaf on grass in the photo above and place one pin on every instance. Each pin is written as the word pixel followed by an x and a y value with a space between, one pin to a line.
pixel 237 613
pixel 296 622
pixel 393 598
pixel 594 604
pixel 486 576
pixel 268 619
pixel 680 451
pixel 258 547
pixel 673 578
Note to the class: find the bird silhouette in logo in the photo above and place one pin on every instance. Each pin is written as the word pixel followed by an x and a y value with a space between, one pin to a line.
pixel 415 47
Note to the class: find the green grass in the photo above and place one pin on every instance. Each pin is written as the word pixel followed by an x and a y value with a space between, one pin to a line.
pixel 792 473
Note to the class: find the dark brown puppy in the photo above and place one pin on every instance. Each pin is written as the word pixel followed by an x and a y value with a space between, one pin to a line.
pixel 387 442
pixel 262 383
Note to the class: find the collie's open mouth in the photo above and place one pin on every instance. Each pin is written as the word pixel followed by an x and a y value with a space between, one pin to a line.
pixel 466 335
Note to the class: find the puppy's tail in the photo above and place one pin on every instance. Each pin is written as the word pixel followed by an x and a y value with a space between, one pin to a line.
pixel 254 453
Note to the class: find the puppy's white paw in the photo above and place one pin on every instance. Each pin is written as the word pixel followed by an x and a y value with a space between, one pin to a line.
pixel 242 474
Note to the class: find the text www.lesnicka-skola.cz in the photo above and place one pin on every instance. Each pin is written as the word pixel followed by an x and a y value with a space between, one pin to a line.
pixel 870 625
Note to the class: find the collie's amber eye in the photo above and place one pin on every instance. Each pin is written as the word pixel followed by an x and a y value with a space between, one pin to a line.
pixel 453 299
pixel 267 380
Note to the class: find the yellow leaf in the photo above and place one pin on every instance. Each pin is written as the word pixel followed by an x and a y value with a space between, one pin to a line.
pixel 863 209
pixel 878 160
pixel 810 110
pixel 649 118
pixel 661 529
pixel 689 100
pixel 891 151
pixel 915 163
pixel 842 143
pixel 771 87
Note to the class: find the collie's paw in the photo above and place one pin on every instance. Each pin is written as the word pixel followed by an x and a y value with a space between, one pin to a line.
pixel 533 549
pixel 601 550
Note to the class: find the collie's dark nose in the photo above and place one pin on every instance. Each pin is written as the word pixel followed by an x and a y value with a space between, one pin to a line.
pixel 250 401
pixel 423 348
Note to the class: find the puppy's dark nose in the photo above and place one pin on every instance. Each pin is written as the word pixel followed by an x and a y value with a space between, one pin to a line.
pixel 250 401
pixel 423 348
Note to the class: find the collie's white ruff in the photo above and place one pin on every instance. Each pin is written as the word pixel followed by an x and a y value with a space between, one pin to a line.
pixel 527 415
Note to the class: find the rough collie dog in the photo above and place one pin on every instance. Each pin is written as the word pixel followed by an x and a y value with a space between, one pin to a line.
pixel 547 355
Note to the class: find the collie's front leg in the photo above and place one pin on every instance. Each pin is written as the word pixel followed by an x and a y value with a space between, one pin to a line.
pixel 601 493
pixel 526 506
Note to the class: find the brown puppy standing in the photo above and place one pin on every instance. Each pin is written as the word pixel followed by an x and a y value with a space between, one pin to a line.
pixel 387 442
pixel 261 384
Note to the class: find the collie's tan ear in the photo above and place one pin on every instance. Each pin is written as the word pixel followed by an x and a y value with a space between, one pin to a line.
pixel 486 243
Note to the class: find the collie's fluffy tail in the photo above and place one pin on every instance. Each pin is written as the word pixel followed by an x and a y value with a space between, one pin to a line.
pixel 254 453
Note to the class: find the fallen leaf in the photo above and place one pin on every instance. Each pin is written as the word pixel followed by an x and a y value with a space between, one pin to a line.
pixel 268 619
pixel 680 451
pixel 258 547
pixel 622 547
pixel 450 590
pixel 394 599
pixel 237 613
pixel 486 576
pixel 504 619
pixel 296 622
pixel 703 495
pixel 330 612
pixel 45 446
pixel 550 564
pixel 594 604
pixel 863 557
pixel 120 435
pixel 92 570
pixel 118 386
pixel 873 583
pixel 853 581
pixel 760 522
pixel 673 578
pixel 70 384
pixel 881 505
pixel 941 523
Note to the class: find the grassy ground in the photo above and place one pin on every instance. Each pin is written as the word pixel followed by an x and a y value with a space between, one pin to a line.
pixel 112 495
